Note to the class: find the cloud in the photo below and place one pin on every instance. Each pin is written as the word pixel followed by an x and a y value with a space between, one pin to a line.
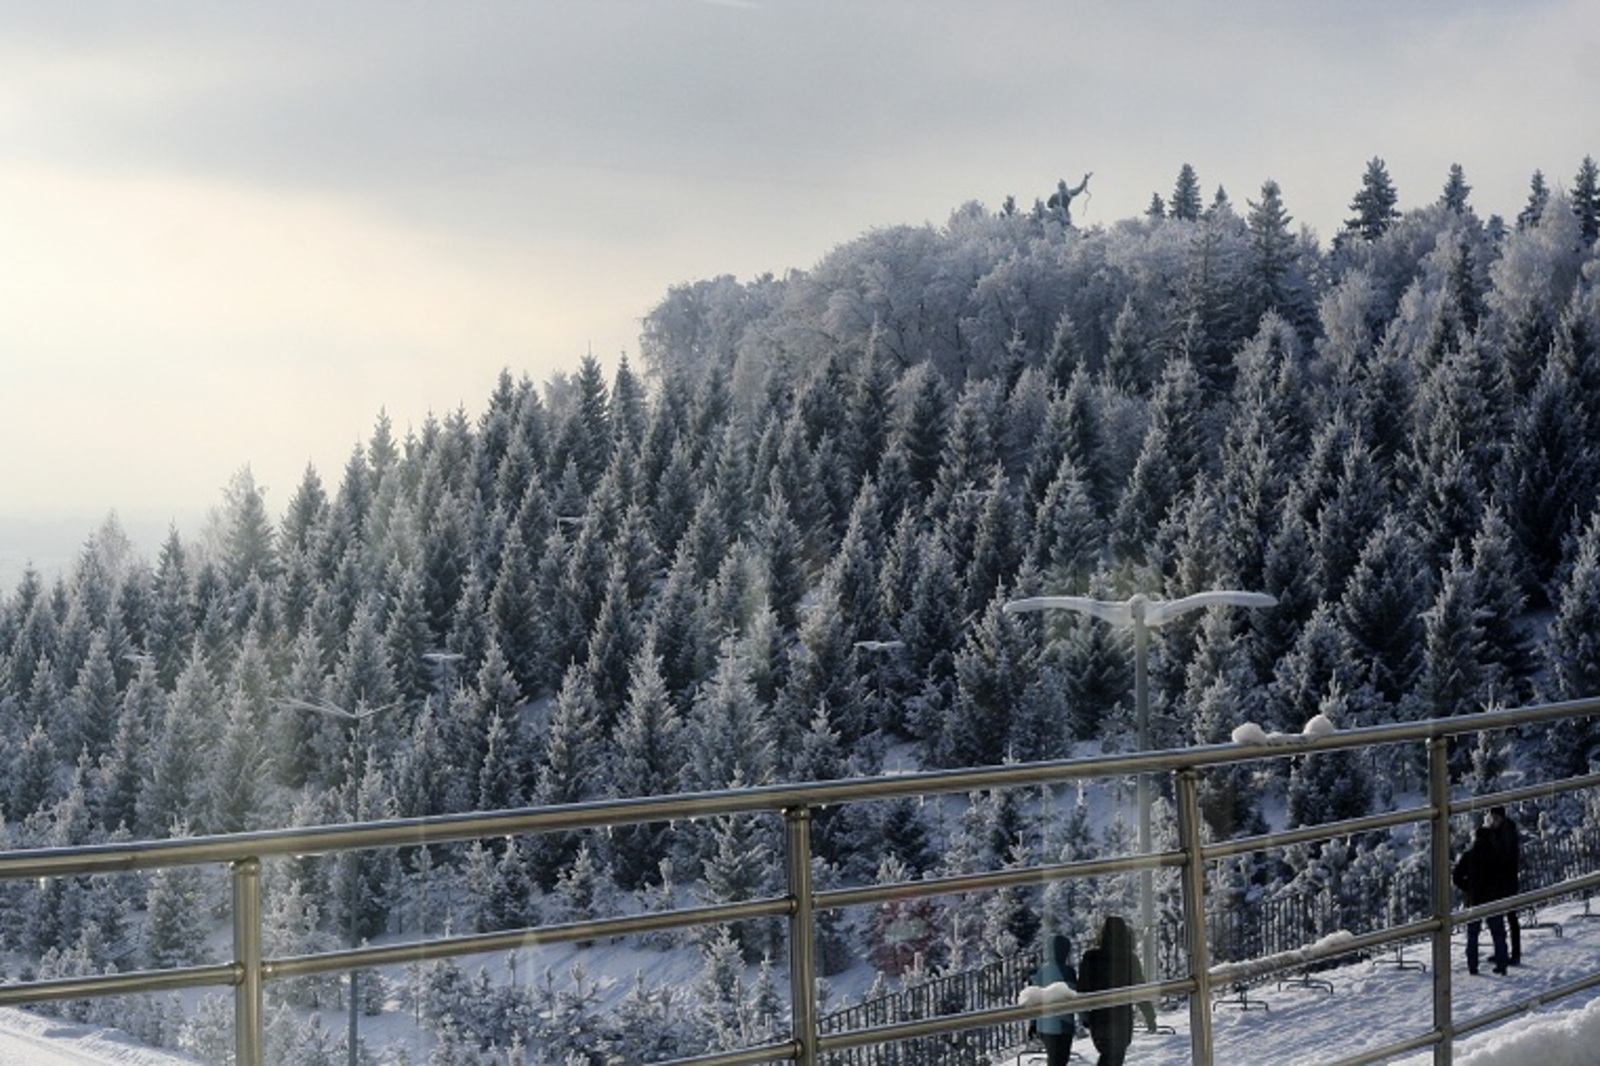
pixel 314 214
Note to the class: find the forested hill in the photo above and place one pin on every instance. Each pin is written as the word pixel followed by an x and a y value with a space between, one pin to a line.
pixel 782 541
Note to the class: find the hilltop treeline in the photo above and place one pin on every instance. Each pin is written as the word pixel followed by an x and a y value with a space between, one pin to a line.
pixel 780 545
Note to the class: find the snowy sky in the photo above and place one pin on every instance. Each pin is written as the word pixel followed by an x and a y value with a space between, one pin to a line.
pixel 234 232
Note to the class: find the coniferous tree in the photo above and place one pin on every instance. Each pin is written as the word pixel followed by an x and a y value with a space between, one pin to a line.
pixel 1168 461
pixel 730 733
pixel 1329 786
pixel 514 614
pixel 1453 669
pixel 584 435
pixel 990 671
pixel 176 906
pixel 408 639
pixel 247 532
pixel 1068 534
pixel 181 752
pixel 124 768
pixel 647 760
pixel 1382 607
pixel 1456 190
pixel 1538 197
pixel 93 702
pixel 171 624
pixel 918 432
pixel 740 866
pixel 1544 478
pixel 1185 203
pixel 1273 277
pixel 570 772
pixel 612 645
pixel 1374 204
pixel 1586 199
pixel 1501 580
pixel 1572 657
pixel 237 781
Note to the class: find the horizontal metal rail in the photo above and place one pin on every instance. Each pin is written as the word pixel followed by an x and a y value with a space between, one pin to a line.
pixel 244 851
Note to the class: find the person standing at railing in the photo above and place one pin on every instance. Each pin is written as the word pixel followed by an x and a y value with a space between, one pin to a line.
pixel 1113 963
pixel 1509 841
pixel 1482 876
pixel 1055 1031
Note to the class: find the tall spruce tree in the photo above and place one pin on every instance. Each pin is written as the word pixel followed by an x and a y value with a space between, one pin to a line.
pixel 1374 204
pixel 1572 657
pixel 1185 202
pixel 1586 198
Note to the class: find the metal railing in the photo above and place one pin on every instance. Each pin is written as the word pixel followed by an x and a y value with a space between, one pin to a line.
pixel 249 971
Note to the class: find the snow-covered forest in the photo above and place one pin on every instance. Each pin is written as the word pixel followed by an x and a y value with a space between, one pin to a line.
pixel 776 546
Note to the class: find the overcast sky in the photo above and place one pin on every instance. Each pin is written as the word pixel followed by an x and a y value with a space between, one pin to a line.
pixel 231 233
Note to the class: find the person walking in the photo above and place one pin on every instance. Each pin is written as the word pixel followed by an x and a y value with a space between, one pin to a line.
pixel 1481 876
pixel 1113 963
pixel 1509 840
pixel 1055 1031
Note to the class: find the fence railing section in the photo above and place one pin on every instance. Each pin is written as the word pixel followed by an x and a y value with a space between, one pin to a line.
pixel 955 1016
pixel 981 988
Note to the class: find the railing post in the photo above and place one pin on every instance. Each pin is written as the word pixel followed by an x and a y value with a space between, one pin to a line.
pixel 1194 916
pixel 802 935
pixel 248 1043
pixel 1439 800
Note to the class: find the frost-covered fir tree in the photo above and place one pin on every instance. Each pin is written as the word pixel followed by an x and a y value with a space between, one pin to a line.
pixel 1572 657
pixel 1374 204
pixel 740 866
pixel 178 914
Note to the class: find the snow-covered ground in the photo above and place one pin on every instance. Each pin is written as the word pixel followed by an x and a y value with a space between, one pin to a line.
pixel 1372 1004
pixel 29 1040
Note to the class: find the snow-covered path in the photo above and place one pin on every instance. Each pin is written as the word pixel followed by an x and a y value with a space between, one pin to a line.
pixel 29 1040
pixel 1372 1004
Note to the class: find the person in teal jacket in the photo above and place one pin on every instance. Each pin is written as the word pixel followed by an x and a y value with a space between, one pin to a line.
pixel 1055 1031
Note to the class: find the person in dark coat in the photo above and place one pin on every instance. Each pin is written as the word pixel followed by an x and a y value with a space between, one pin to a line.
pixel 1482 877
pixel 1510 843
pixel 1055 1031
pixel 1113 963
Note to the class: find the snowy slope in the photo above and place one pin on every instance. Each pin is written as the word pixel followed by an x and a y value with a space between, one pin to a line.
pixel 29 1040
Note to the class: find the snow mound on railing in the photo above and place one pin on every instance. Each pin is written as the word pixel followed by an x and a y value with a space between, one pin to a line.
pixel 1251 734
pixel 1035 996
pixel 1334 943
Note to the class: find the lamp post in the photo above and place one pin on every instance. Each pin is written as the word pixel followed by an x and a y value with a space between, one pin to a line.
pixel 356 717
pixel 1142 614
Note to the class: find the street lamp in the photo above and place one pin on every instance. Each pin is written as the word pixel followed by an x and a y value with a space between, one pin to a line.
pixel 361 714
pixel 1142 615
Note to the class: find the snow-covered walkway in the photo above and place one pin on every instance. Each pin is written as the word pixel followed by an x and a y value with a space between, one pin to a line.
pixel 1372 1004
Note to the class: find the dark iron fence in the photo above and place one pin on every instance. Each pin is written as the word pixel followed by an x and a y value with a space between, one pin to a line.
pixel 994 984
